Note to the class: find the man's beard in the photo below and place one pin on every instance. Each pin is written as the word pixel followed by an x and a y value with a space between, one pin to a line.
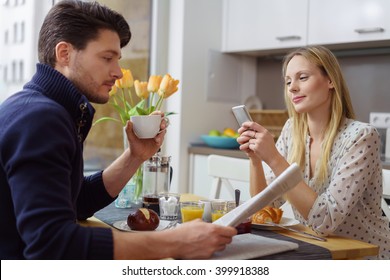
pixel 86 85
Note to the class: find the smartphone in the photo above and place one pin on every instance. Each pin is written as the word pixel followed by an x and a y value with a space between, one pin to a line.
pixel 241 113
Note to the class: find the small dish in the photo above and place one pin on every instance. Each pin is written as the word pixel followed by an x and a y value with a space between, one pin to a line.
pixel 122 225
pixel 220 142
pixel 287 222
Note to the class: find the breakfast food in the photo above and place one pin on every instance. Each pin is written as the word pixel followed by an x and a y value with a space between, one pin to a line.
pixel 267 214
pixel 143 219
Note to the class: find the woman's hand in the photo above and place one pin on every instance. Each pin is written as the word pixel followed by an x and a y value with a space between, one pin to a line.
pixel 257 142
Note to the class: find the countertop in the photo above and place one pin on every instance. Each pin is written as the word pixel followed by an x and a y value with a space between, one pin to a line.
pixel 203 149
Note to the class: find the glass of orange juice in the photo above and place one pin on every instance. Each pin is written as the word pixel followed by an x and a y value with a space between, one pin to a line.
pixel 191 210
pixel 218 209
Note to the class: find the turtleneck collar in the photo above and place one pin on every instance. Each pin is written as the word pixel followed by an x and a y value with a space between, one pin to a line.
pixel 57 87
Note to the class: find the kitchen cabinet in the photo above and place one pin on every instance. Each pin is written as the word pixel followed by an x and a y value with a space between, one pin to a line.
pixel 348 21
pixel 253 25
pixel 261 27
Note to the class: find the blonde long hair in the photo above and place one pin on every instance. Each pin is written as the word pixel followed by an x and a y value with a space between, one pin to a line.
pixel 341 107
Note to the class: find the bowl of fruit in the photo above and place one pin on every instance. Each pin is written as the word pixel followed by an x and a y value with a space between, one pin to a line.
pixel 227 139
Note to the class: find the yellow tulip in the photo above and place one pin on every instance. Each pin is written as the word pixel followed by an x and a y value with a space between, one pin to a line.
pixel 168 86
pixel 141 89
pixel 154 83
pixel 113 90
pixel 121 95
pixel 126 81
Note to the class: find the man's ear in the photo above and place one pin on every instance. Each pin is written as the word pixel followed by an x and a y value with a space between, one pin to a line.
pixel 63 51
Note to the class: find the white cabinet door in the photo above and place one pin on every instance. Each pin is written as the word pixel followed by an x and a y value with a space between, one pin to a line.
pixel 253 25
pixel 200 180
pixel 348 21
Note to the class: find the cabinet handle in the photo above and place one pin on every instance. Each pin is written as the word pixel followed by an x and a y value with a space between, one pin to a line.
pixel 288 38
pixel 369 30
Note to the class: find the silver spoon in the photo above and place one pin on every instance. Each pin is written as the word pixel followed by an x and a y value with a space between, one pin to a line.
pixel 237 196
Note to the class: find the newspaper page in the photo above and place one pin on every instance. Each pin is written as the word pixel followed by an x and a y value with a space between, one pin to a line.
pixel 284 182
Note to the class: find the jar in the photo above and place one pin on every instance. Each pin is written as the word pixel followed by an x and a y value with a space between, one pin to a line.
pixel 156 180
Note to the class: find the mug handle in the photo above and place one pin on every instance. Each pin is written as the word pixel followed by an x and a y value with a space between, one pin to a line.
pixel 166 119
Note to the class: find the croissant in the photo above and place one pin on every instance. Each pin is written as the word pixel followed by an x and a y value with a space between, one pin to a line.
pixel 267 214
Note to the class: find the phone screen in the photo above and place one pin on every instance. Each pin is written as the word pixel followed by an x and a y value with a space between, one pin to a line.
pixel 241 113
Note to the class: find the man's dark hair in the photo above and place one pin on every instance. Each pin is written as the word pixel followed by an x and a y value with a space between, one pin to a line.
pixel 78 23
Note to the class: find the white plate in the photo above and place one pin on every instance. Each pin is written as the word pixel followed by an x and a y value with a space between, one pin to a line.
pixel 122 225
pixel 287 222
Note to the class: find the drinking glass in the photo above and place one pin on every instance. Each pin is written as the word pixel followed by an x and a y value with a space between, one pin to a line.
pixel 218 209
pixel 169 206
pixel 191 210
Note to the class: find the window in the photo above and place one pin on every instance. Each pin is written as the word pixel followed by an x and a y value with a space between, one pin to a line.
pixel 6 37
pixel 105 140
pixel 13 75
pixel 21 70
pixel 21 39
pixel 15 28
pixel 5 73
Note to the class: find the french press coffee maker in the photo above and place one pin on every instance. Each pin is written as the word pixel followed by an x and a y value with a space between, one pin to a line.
pixel 156 180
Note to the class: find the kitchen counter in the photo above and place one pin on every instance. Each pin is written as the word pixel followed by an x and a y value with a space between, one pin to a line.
pixel 203 149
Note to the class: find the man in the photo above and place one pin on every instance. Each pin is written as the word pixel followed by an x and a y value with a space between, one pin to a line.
pixel 42 129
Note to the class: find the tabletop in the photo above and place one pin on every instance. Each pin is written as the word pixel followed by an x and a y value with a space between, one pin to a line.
pixel 335 247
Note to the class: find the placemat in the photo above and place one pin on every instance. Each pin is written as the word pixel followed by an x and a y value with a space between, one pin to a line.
pixel 306 251
pixel 249 246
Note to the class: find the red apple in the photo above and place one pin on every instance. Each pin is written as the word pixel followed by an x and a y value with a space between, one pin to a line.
pixel 143 219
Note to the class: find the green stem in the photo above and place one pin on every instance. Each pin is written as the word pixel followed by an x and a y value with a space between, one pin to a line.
pixel 120 115
pixel 138 182
pixel 151 102
pixel 131 98
pixel 159 103
pixel 123 99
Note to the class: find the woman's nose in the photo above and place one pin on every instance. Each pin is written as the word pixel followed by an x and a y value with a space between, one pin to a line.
pixel 293 86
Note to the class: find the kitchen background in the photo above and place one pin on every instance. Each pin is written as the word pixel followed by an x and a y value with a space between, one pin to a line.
pixel 224 52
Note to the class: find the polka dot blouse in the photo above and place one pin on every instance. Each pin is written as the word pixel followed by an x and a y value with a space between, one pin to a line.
pixel 349 201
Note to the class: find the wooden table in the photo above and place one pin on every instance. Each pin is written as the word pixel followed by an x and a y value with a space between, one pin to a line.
pixel 339 247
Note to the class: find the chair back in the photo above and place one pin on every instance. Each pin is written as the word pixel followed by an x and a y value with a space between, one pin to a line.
pixel 225 169
pixel 386 182
pixel 386 192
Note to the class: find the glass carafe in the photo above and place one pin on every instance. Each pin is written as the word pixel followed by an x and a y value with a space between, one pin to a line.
pixel 156 180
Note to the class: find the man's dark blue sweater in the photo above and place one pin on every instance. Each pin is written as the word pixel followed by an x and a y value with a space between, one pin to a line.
pixel 42 188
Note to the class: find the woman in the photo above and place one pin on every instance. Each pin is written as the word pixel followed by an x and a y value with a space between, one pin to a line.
pixel 339 156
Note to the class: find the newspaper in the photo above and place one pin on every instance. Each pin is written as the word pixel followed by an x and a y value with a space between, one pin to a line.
pixel 249 246
pixel 284 182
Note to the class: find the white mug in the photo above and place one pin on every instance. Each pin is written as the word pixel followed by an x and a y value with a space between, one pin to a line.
pixel 147 126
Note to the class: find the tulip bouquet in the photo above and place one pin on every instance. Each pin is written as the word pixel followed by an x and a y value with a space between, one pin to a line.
pixel 151 93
